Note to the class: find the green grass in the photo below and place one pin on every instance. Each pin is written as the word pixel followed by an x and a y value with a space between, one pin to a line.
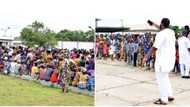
pixel 14 91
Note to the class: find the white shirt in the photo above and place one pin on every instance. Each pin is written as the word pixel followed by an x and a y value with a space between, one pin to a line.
pixel 10 52
pixel 184 55
pixel 12 68
pixel 30 55
pixel 112 47
pixel 17 57
pixel 165 54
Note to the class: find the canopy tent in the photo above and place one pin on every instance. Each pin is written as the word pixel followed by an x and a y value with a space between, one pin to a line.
pixel 142 28
pixel 131 28
pixel 111 29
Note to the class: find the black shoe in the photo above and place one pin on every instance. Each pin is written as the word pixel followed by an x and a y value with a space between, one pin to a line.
pixel 187 77
pixel 183 77
pixel 170 99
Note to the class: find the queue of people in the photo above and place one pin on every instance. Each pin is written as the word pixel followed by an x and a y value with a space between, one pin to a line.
pixel 60 67
pixel 132 48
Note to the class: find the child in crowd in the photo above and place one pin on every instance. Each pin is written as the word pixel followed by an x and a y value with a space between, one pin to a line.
pixel 42 71
pixel 82 61
pixel 17 68
pixel 76 77
pixel 83 77
pixel 6 65
pixel 23 69
pixel 54 76
pixel 12 67
pixel 35 71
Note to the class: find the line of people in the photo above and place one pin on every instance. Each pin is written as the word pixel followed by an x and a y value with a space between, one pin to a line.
pixel 132 48
pixel 61 67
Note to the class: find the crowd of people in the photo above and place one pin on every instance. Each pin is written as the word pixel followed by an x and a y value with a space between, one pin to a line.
pixel 61 67
pixel 130 48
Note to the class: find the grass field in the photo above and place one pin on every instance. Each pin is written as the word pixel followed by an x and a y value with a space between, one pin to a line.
pixel 14 91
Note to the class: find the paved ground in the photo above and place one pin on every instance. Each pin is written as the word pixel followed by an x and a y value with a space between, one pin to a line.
pixel 119 84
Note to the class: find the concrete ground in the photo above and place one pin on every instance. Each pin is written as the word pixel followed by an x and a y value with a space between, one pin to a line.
pixel 119 84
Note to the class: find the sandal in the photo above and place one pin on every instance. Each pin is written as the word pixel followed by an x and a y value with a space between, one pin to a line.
pixel 170 99
pixel 160 102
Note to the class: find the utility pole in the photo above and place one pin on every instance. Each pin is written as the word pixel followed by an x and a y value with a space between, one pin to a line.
pixel 93 31
pixel 122 25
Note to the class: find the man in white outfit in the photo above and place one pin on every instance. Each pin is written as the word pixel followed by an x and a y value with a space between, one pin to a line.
pixel 184 53
pixel 164 47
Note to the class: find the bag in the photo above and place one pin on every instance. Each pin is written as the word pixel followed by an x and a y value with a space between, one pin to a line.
pixel 54 76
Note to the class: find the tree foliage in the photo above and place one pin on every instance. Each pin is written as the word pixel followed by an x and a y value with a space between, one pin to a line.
pixel 77 35
pixel 38 34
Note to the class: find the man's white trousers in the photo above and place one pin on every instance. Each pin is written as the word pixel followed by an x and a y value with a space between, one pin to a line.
pixel 163 84
pixel 184 68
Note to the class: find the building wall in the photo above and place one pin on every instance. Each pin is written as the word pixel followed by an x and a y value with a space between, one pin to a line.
pixel 64 44
pixel 73 44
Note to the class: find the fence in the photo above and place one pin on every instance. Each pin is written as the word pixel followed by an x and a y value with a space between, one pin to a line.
pixel 74 44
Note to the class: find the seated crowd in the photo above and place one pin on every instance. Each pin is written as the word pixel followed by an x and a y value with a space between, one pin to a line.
pixel 61 67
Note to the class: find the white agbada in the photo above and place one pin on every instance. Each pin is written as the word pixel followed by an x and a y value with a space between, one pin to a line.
pixel 165 60
pixel 184 55
pixel 165 54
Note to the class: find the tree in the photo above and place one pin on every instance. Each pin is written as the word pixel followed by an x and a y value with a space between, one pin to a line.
pixel 177 30
pixel 37 26
pixel 77 35
pixel 90 35
pixel 36 34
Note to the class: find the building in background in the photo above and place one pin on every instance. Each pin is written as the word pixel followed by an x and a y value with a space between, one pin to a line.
pixel 6 40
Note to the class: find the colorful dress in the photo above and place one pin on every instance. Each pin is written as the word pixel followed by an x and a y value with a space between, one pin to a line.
pixel 105 49
pixel 64 76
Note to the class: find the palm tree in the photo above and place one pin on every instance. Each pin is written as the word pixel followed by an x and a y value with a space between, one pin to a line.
pixel 37 26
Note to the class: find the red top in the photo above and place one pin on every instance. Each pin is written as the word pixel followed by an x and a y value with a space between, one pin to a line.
pixel 54 76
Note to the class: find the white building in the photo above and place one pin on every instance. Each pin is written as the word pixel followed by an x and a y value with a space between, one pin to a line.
pixel 6 40
pixel 75 44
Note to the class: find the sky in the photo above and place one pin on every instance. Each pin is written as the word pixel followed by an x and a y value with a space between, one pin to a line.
pixel 79 14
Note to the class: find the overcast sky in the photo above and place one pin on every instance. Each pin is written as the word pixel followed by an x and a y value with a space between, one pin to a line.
pixel 79 14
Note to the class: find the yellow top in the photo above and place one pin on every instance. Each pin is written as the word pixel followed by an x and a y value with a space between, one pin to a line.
pixel 35 69
pixel 83 78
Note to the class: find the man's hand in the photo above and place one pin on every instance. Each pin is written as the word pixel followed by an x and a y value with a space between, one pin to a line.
pixel 151 23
